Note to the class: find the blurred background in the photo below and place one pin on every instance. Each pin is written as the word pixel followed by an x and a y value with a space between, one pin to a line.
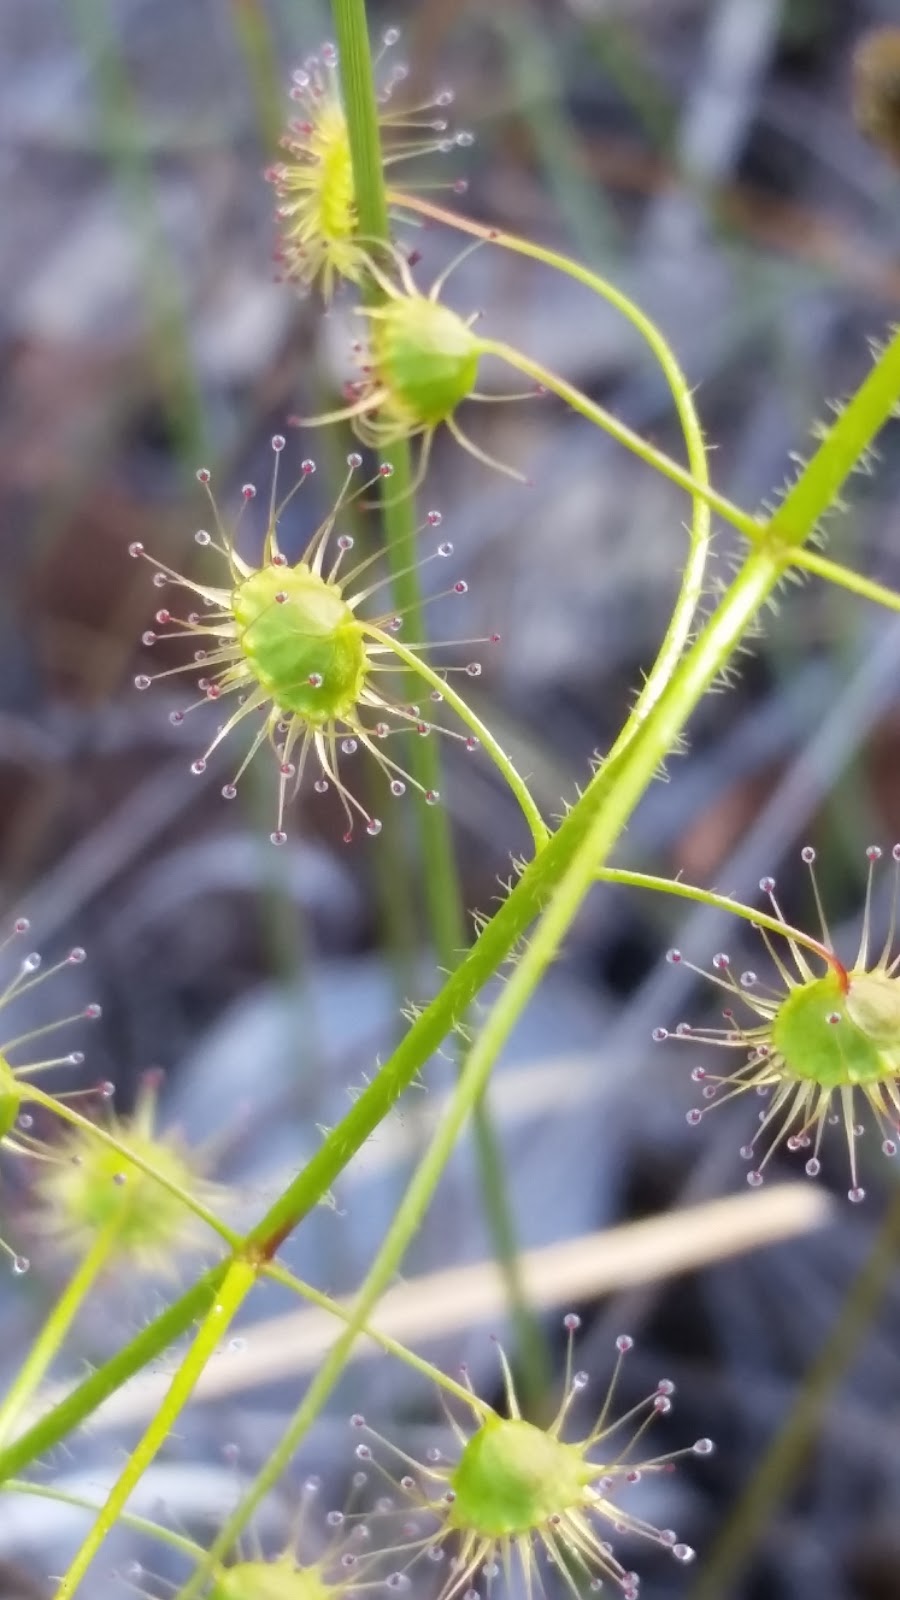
pixel 701 154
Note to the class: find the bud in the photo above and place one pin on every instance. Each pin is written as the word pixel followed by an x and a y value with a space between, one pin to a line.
pixel 325 1559
pixel 818 1042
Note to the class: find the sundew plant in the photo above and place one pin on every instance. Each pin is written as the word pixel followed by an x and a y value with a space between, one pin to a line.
pixel 310 665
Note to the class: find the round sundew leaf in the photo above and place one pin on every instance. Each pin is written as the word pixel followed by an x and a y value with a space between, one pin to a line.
pixel 512 1476
pixel 426 358
pixel 815 1034
pixel 301 641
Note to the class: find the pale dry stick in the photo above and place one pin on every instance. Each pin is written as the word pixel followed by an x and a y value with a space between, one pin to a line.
pixel 441 1303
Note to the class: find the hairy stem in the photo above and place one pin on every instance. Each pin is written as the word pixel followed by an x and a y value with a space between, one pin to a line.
pixel 661 463
pixel 236 1284
pixel 52 1336
pixel 708 897
pixel 128 1519
pixel 443 900
pixel 517 784
pixel 845 578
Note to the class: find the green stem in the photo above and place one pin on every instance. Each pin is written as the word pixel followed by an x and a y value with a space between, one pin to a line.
pixel 146 1347
pixel 783 1460
pixel 155 1530
pixel 661 463
pixel 599 833
pixel 539 831
pixel 392 1347
pixel 445 912
pixel 595 822
pixel 643 325
pixel 691 591
pixel 443 901
pixel 820 484
pixel 833 572
pixel 707 897
pixel 52 1335
pixel 236 1284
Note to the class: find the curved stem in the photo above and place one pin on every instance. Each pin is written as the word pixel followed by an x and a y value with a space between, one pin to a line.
pixel 92 1131
pixel 661 463
pixel 685 609
pixel 718 902
pixel 238 1280
pixel 52 1335
pixel 539 831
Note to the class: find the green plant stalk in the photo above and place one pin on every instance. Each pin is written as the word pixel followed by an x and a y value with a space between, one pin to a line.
pixel 443 900
pixel 691 591
pixel 236 1284
pixel 392 1347
pixel 845 578
pixel 53 1333
pixel 147 1346
pixel 750 589
pixel 155 1530
pixel 441 887
pixel 708 897
pixel 822 479
pixel 598 836
pixel 778 1469
pixel 517 784
pixel 749 526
